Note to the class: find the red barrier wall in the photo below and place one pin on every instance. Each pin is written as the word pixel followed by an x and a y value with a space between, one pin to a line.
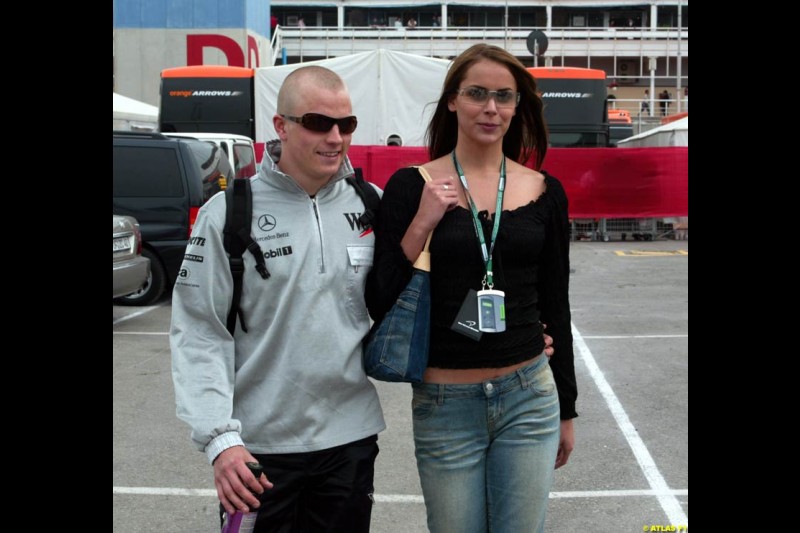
pixel 623 182
pixel 600 182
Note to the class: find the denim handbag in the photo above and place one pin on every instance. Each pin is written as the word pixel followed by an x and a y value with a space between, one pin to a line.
pixel 396 348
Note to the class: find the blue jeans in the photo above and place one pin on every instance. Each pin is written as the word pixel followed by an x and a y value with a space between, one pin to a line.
pixel 486 451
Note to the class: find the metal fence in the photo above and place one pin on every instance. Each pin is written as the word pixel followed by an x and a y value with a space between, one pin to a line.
pixel 634 229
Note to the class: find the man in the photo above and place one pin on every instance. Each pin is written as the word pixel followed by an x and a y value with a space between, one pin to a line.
pixel 290 392
pixel 664 97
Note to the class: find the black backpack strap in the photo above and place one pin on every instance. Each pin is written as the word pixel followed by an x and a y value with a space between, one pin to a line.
pixel 237 239
pixel 369 196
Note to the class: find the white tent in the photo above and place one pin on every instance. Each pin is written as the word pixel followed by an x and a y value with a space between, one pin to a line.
pixel 393 93
pixel 672 134
pixel 130 114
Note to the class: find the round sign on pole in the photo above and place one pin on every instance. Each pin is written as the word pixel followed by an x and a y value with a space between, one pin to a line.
pixel 537 43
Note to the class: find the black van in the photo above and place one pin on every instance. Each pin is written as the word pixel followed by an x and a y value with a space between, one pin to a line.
pixel 163 182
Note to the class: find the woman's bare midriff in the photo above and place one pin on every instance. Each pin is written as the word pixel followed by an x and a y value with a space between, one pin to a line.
pixel 453 376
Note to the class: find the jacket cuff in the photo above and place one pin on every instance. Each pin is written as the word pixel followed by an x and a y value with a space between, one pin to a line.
pixel 568 411
pixel 221 443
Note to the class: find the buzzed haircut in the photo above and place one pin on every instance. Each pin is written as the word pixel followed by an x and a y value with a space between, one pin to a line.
pixel 311 75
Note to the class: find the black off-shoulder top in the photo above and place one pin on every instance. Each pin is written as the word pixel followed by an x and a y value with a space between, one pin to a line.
pixel 530 264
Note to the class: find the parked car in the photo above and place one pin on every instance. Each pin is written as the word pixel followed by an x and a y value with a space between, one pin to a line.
pixel 163 182
pixel 131 270
pixel 239 149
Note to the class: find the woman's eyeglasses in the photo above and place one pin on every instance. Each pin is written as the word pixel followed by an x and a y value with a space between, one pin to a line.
pixel 323 123
pixel 479 96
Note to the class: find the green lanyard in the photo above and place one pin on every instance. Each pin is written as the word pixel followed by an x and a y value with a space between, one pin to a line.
pixel 501 187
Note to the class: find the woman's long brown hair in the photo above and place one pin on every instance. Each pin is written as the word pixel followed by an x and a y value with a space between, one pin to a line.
pixel 527 133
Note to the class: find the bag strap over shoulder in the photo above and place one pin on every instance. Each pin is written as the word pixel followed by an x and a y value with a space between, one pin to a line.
pixel 423 262
pixel 369 197
pixel 237 237
pixel 236 240
pixel 424 173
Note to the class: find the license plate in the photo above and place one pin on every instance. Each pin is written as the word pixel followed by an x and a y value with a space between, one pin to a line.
pixel 122 244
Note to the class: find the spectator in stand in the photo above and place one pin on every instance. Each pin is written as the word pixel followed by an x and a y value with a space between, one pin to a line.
pixel 663 96
pixel 435 22
pixel 630 25
pixel 645 109
pixel 411 24
pixel 273 23
pixel 301 23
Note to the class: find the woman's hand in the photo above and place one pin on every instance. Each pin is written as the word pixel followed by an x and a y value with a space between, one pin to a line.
pixel 566 443
pixel 438 196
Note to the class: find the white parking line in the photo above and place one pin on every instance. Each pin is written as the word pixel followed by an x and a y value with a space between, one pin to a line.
pixel 166 491
pixel 616 493
pixel 141 333
pixel 407 498
pixel 143 311
pixel 679 336
pixel 657 482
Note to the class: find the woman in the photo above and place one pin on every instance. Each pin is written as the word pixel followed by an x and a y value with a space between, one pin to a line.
pixel 492 418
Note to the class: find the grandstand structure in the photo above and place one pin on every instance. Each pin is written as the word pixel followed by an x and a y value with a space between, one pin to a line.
pixel 640 45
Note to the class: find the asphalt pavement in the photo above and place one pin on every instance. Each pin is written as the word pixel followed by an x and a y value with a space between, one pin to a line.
pixel 630 468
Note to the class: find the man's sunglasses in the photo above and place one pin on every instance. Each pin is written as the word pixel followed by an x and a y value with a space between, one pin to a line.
pixel 323 124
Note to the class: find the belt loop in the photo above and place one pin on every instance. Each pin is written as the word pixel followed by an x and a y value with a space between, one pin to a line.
pixel 523 379
pixel 440 398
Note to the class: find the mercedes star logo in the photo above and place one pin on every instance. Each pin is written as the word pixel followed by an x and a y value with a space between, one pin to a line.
pixel 266 222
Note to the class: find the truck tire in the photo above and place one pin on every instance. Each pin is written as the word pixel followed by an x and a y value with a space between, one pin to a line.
pixel 153 288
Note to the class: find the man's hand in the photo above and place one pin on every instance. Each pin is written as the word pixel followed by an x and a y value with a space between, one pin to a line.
pixel 234 481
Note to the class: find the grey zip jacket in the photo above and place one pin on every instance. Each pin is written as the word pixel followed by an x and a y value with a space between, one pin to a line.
pixel 294 382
